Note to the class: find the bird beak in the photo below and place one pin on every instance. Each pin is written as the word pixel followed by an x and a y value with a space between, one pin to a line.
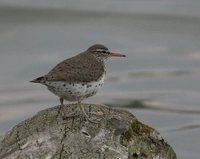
pixel 114 54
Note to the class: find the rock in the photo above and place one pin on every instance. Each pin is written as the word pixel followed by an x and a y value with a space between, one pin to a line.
pixel 117 135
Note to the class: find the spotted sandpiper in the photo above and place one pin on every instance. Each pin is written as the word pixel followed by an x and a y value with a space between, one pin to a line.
pixel 78 77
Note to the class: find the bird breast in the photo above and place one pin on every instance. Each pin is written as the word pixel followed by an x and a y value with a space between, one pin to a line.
pixel 74 91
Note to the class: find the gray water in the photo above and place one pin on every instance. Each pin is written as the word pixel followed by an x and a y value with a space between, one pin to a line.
pixel 158 81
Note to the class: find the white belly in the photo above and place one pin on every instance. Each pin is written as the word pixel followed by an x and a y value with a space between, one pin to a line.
pixel 74 91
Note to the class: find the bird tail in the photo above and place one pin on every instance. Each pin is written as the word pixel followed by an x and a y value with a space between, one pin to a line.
pixel 39 80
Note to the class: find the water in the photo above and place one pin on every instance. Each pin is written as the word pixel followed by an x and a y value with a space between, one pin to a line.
pixel 158 81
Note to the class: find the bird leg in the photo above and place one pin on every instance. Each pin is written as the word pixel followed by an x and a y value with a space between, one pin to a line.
pixel 62 109
pixel 85 114
pixel 82 109
pixel 61 101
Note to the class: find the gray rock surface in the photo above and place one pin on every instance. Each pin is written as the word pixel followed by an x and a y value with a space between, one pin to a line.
pixel 117 135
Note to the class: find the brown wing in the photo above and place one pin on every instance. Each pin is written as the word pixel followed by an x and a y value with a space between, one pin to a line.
pixel 80 68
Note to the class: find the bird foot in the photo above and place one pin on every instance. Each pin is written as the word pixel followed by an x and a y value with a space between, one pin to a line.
pixel 77 113
pixel 93 120
pixel 99 113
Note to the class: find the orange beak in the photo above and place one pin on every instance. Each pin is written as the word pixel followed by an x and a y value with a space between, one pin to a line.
pixel 114 54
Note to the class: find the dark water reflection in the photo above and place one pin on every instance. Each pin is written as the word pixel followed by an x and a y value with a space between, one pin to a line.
pixel 158 81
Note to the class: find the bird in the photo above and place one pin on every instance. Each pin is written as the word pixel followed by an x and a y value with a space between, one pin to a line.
pixel 80 76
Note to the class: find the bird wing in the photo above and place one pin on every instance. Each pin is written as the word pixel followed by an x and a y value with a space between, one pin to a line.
pixel 76 69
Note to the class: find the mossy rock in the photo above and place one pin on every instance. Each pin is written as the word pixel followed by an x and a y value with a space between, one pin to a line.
pixel 117 135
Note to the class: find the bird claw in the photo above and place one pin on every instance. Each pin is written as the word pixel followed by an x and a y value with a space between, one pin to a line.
pixel 99 113
pixel 76 113
pixel 92 120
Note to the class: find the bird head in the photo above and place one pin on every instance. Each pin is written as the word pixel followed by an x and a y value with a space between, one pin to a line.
pixel 101 52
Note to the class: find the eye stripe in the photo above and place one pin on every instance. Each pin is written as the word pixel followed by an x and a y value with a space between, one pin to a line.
pixel 101 51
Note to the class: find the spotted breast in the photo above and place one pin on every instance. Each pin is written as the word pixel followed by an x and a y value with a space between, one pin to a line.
pixel 72 91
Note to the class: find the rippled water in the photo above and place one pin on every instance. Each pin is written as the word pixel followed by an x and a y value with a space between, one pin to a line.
pixel 158 81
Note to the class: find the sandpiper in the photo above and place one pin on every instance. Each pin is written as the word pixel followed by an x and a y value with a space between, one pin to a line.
pixel 78 77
